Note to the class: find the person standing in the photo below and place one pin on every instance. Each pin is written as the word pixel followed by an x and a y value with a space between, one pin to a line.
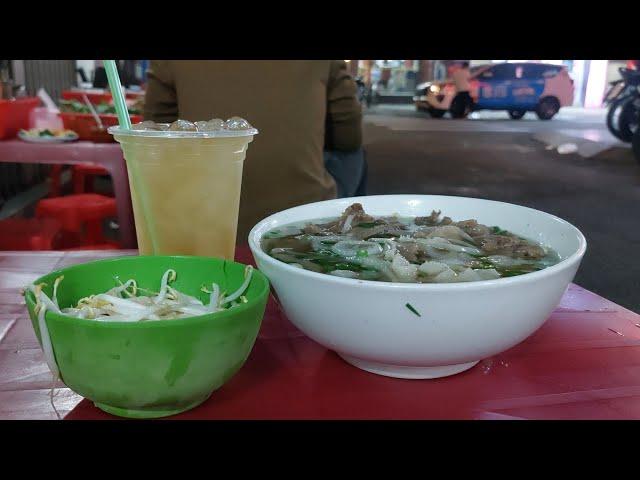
pixel 462 102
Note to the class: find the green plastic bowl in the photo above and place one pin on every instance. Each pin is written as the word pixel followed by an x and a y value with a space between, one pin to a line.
pixel 153 368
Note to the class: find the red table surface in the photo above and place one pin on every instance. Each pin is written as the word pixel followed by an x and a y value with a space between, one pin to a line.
pixel 583 363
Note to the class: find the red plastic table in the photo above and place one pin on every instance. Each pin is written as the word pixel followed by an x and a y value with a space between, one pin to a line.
pixel 107 155
pixel 583 363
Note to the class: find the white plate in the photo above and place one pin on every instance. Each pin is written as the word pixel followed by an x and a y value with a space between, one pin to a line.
pixel 31 139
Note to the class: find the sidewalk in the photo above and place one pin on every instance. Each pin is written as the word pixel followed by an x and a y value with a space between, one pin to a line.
pixel 589 141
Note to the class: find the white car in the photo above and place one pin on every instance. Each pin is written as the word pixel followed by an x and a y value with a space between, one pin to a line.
pixel 515 87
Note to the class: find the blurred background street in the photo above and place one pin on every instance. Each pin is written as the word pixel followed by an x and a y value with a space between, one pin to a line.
pixel 491 156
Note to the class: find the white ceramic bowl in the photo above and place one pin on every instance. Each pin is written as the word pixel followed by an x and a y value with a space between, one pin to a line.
pixel 368 323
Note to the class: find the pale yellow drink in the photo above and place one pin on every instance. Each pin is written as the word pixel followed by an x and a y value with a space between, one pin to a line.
pixel 185 189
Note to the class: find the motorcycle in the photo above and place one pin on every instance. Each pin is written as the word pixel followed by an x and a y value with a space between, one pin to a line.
pixel 635 143
pixel 623 99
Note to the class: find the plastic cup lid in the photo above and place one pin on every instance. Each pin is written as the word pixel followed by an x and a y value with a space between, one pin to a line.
pixel 117 130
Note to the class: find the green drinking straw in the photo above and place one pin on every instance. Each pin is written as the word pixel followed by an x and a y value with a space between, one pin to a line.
pixel 116 92
pixel 125 123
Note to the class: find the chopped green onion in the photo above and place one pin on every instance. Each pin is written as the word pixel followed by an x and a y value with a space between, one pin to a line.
pixel 413 310
pixel 367 224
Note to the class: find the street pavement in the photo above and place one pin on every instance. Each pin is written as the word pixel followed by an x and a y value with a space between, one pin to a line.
pixel 597 188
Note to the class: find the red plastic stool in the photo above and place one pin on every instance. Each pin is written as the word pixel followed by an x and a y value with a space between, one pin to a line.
pixel 54 175
pixel 83 176
pixel 76 211
pixel 29 233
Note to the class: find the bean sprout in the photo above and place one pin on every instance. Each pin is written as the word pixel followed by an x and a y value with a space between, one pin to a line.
pixel 247 278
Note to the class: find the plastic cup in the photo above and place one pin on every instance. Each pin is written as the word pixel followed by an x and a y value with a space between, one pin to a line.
pixel 185 189
pixel 42 117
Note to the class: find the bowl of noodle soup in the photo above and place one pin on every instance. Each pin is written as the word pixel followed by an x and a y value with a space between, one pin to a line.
pixel 438 322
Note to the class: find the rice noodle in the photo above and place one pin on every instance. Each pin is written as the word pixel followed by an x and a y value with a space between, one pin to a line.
pixel 404 270
pixel 350 248
pixel 444 244
pixel 347 223
pixel 344 273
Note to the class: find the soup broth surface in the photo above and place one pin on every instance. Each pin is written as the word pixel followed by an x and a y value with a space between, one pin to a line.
pixel 429 249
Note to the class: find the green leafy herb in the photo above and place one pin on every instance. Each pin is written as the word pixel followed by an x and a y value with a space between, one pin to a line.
pixel 367 224
pixel 499 231
pixel 413 310
pixel 331 261
pixel 483 265
pixel 512 272
pixel 386 235
pixel 348 266
pixel 272 234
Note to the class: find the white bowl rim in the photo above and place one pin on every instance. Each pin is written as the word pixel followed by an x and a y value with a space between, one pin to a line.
pixel 564 264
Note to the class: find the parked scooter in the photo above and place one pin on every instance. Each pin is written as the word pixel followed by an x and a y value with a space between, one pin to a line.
pixel 623 99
